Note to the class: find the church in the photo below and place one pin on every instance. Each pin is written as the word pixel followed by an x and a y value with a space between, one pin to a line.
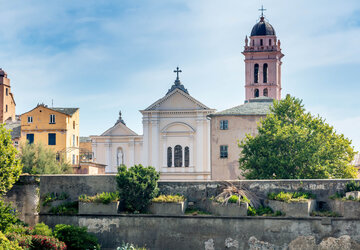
pixel 186 140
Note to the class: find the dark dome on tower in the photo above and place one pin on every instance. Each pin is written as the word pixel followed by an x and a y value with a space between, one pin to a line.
pixel 262 28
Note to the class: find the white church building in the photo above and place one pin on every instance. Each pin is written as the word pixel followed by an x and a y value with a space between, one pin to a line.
pixel 176 139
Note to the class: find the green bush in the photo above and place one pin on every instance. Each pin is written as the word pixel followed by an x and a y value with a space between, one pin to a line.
pixel 104 198
pixel 233 199
pixel 6 244
pixel 7 216
pixel 290 197
pixel 41 242
pixel 352 186
pixel 169 198
pixel 263 211
pixel 68 208
pixel 76 238
pixel 42 229
pixel 137 186
pixel 50 197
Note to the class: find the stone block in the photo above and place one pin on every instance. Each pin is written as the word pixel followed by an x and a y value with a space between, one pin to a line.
pixel 346 208
pixel 293 209
pixel 354 194
pixel 230 209
pixel 98 208
pixel 168 208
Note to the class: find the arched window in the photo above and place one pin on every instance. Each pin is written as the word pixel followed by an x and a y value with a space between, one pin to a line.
pixel 178 156
pixel 187 156
pixel 265 92
pixel 7 91
pixel 269 42
pixel 265 72
pixel 256 93
pixel 261 42
pixel 169 157
pixel 256 73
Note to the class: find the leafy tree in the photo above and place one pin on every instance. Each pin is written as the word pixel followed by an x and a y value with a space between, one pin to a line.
pixel 137 186
pixel 10 166
pixel 8 216
pixel 38 159
pixel 293 144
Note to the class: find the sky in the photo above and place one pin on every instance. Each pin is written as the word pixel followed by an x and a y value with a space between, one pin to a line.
pixel 105 56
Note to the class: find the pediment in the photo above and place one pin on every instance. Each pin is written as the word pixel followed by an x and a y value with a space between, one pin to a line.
pixel 177 127
pixel 119 129
pixel 177 100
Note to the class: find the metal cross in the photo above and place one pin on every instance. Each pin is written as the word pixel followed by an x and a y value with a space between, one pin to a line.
pixel 262 10
pixel 177 71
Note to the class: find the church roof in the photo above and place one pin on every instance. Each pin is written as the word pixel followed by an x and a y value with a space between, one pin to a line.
pixel 263 28
pixel 15 129
pixel 256 106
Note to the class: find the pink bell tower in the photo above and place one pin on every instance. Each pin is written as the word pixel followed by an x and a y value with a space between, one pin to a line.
pixel 262 62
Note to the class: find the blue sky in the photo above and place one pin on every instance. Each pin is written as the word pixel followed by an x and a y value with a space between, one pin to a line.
pixel 106 56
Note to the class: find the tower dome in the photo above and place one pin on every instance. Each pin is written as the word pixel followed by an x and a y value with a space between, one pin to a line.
pixel 263 28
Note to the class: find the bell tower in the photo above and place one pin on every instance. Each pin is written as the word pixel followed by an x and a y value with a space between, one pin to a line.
pixel 7 102
pixel 262 62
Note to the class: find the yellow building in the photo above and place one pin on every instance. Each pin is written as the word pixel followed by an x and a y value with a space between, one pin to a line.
pixel 57 128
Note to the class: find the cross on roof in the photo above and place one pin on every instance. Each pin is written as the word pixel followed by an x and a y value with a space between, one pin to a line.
pixel 262 10
pixel 177 71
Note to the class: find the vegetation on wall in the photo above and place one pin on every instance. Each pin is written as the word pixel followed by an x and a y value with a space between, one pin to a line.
pixel 104 198
pixel 137 186
pixel 10 165
pixel 38 159
pixel 291 196
pixel 169 198
pixel 293 144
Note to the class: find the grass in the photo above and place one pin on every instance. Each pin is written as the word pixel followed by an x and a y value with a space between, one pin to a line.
pixel 324 213
pixel 291 196
pixel 263 211
pixel 196 211
pixel 104 198
pixel 169 198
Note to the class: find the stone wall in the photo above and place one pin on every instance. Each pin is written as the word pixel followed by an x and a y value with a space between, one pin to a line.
pixel 204 232
pixel 25 198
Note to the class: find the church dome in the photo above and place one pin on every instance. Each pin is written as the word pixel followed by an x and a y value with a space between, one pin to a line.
pixel 262 28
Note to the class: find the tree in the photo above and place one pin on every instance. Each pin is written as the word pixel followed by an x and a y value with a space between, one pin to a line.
pixel 137 186
pixel 10 166
pixel 38 159
pixel 293 144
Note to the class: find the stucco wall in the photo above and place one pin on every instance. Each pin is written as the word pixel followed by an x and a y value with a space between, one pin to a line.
pixel 204 232
pixel 238 127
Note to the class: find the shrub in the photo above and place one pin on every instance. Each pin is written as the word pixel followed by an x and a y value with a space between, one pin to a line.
pixel 76 237
pixel 41 242
pixel 68 208
pixel 137 186
pixel 6 244
pixel 10 166
pixel 233 199
pixel 42 229
pixel 263 211
pixel 352 186
pixel 50 197
pixel 7 216
pixel 23 240
pixel 169 198
pixel 104 198
pixel 290 197
pixel 129 246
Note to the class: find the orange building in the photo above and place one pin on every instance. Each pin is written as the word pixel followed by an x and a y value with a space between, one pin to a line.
pixel 7 102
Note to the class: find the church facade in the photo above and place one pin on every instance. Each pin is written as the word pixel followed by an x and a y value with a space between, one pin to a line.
pixel 176 139
pixel 186 140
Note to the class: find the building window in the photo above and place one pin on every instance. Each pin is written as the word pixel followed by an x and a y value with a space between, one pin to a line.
pixel 30 138
pixel 6 108
pixel 261 42
pixel 187 157
pixel 73 159
pixel 77 141
pixel 265 72
pixel 52 119
pixel 256 93
pixel 223 151
pixel 266 92
pixel 52 139
pixel 7 91
pixel 30 119
pixel 73 140
pixel 223 124
pixel 73 124
pixel 269 42
pixel 256 73
pixel 169 157
pixel 178 156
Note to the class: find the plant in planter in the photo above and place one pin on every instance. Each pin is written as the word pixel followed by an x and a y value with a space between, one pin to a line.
pixel 293 204
pixel 168 205
pixel 233 201
pixel 104 203
pixel 52 200
pixel 347 202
